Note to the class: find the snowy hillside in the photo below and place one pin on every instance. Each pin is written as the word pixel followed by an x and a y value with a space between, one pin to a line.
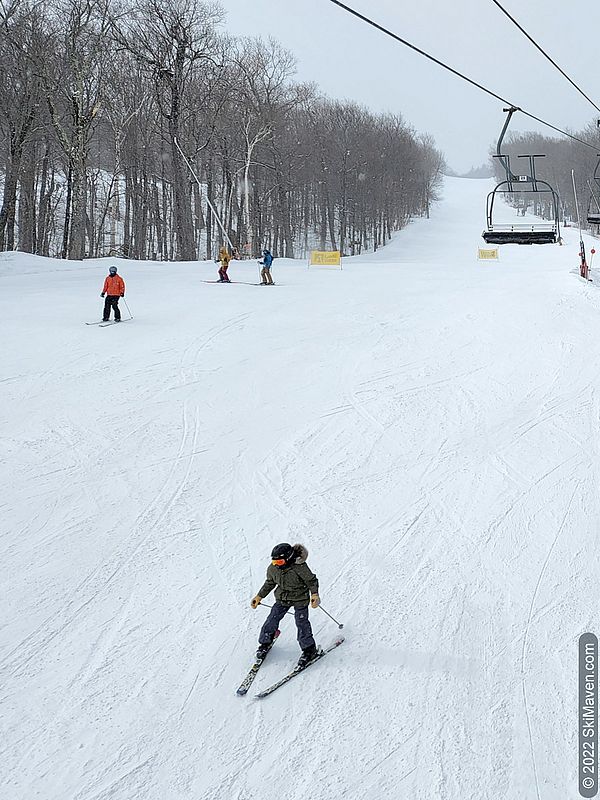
pixel 427 425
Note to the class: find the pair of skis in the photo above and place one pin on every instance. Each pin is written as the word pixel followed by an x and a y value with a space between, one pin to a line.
pixel 249 679
pixel 102 323
pixel 245 283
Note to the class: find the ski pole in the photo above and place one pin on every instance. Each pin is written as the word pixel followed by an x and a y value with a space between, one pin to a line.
pixel 339 624
pixel 128 309
pixel 266 605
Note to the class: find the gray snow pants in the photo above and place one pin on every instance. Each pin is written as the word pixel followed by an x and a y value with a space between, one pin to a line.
pixel 305 636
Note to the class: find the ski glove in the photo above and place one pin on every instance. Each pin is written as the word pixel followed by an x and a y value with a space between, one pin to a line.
pixel 255 602
pixel 122 295
pixel 315 600
pixel 102 294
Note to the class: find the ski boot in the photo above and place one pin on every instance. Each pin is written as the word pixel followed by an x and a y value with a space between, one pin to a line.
pixel 308 654
pixel 262 651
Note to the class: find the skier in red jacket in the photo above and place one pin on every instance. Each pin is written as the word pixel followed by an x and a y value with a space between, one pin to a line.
pixel 114 287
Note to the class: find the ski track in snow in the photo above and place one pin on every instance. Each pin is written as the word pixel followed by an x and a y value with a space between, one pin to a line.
pixel 429 426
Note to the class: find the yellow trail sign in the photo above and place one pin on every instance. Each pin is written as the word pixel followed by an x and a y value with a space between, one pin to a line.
pixel 488 254
pixel 325 258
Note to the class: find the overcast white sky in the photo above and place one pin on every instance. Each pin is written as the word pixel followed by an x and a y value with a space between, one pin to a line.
pixel 349 59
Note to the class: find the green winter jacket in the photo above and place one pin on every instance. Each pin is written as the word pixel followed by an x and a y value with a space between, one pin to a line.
pixel 293 584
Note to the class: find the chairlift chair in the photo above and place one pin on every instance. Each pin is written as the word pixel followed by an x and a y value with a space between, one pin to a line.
pixel 524 233
pixel 593 211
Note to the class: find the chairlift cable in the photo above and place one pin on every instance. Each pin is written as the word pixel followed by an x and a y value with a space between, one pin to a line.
pixel 544 53
pixel 395 36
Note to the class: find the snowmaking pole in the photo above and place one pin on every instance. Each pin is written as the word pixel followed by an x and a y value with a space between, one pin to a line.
pixel 583 267
pixel 212 208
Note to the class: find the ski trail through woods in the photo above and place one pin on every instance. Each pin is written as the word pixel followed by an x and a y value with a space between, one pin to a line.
pixel 426 424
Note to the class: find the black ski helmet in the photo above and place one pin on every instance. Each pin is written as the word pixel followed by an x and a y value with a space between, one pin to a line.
pixel 283 550
pixel 112 270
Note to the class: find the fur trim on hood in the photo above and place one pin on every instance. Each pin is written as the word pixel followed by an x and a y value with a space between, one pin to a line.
pixel 302 554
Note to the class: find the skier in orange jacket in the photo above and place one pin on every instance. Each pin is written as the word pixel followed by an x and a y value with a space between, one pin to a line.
pixel 114 288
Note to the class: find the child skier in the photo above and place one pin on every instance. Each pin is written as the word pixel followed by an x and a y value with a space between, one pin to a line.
pixel 265 272
pixel 114 288
pixel 224 258
pixel 295 584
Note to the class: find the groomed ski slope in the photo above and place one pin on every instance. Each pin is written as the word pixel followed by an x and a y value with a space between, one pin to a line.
pixel 427 425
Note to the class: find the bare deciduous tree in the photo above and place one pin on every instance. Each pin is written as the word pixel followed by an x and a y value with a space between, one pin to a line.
pixel 173 38
pixel 101 99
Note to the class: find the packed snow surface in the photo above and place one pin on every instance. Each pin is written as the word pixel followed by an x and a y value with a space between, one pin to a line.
pixel 426 424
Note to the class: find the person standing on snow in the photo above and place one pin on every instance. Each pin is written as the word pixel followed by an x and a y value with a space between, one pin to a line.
pixel 295 585
pixel 114 288
pixel 224 258
pixel 265 272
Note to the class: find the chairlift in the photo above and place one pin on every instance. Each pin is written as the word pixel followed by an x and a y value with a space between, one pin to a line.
pixel 507 233
pixel 593 211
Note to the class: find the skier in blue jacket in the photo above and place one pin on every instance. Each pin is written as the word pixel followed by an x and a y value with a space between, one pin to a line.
pixel 265 272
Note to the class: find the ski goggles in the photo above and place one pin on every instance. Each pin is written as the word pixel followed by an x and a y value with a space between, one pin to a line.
pixel 278 562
